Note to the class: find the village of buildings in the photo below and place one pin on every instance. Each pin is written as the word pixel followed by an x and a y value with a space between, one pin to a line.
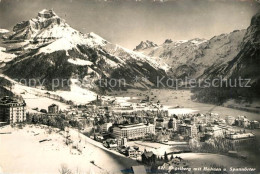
pixel 137 130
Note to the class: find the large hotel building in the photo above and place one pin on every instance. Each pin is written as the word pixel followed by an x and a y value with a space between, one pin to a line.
pixel 133 131
pixel 12 111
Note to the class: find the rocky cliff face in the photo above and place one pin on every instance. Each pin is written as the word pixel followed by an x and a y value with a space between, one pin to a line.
pixel 247 61
pixel 243 65
pixel 32 29
pixel 246 64
pixel 48 48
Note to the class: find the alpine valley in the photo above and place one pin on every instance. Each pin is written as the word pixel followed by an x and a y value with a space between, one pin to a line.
pixel 228 56
pixel 74 102
pixel 47 48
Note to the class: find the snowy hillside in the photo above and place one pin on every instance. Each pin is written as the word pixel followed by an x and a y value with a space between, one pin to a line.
pixel 5 57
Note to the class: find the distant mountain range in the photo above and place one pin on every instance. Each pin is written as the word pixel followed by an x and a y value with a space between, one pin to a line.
pixel 191 58
pixel 46 47
pixel 228 55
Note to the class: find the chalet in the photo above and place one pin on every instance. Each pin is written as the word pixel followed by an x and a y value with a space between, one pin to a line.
pixel 148 157
pixel 53 109
pixel 254 125
pixel 110 143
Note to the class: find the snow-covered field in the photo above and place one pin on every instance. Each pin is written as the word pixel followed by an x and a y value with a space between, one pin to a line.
pixel 253 106
pixel 179 102
pixel 207 159
pixel 156 148
pixel 21 152
pixel 168 98
pixel 77 94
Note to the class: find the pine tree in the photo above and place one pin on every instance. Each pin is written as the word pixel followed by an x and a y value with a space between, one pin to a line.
pixel 165 157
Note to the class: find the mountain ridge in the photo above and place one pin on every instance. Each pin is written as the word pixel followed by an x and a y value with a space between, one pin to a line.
pixel 190 58
pixel 48 48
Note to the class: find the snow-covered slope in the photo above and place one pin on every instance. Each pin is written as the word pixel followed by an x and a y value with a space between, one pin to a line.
pixel 189 58
pixel 3 30
pixel 37 97
pixel 51 49
pixel 5 57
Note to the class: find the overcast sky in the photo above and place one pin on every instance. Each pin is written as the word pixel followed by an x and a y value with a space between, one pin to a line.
pixel 126 22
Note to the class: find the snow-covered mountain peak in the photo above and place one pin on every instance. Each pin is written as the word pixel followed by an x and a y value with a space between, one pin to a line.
pixel 51 33
pixel 46 13
pixel 46 18
pixel 144 45
pixel 46 46
pixel 45 27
